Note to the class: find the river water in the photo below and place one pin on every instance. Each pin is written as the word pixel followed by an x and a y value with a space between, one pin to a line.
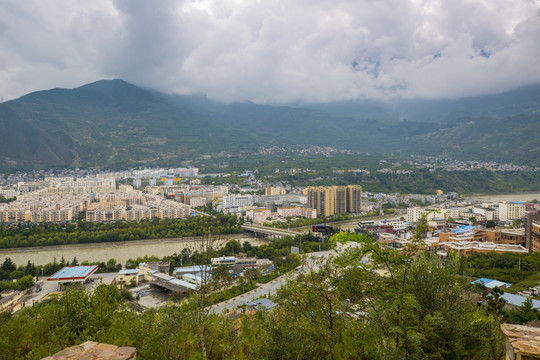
pixel 120 251
pixel 507 197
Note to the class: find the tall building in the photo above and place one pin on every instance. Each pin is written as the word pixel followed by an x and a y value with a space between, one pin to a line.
pixel 322 199
pixel 511 210
pixel 532 233
pixel 354 199
pixel 341 199
pixel 330 200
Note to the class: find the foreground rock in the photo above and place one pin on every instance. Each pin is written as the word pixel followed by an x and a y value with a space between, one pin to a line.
pixel 92 350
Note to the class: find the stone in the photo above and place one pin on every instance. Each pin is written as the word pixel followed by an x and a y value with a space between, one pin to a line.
pixel 91 350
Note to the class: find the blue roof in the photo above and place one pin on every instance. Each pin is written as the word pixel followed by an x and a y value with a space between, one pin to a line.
pixel 518 202
pixel 128 272
pixel 195 268
pixel 486 281
pixel 74 273
pixel 517 300
pixel 463 229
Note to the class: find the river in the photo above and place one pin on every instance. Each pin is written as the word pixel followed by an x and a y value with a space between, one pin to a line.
pixel 506 197
pixel 121 251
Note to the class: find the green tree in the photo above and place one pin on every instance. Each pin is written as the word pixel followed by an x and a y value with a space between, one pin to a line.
pixel 30 269
pixel 495 302
pixel 8 265
pixel 523 314
pixel 491 224
pixel 111 265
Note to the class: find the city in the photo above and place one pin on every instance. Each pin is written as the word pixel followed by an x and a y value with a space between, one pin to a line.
pixel 269 180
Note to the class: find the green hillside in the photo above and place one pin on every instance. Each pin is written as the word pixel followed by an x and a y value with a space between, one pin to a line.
pixel 114 124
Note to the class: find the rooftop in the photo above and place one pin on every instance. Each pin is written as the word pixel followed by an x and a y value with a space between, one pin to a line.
pixel 518 300
pixel 492 283
pixel 128 272
pixel 73 273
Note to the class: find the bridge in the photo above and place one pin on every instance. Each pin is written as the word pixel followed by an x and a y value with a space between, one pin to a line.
pixel 268 231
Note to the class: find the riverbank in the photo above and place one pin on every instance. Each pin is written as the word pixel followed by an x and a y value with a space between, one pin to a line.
pixel 121 251
pixel 506 197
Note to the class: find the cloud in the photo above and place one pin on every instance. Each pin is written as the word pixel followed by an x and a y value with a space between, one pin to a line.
pixel 274 51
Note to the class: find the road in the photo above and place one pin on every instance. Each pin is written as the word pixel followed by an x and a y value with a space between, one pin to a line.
pixel 269 288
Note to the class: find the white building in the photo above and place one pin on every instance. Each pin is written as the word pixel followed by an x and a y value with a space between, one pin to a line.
pixel 8 193
pixel 233 201
pixel 511 210
pixel 197 201
pixel 415 214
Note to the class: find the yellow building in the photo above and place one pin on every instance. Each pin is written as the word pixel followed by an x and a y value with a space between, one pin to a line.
pixel 323 199
pixel 354 199
pixel 330 200
pixel 270 190
pixel 10 301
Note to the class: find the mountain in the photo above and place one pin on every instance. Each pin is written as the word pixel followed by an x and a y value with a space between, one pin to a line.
pixel 115 124
pixel 106 123
pixel 522 101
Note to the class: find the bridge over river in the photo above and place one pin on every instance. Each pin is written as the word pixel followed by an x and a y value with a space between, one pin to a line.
pixel 266 231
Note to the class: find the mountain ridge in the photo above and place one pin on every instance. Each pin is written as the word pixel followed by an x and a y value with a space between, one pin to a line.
pixel 112 123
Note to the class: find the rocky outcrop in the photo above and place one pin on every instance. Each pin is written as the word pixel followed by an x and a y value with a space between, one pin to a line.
pixel 91 350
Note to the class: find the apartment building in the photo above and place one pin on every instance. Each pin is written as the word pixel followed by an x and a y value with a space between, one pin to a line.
pixel 234 201
pixel 330 200
pixel 258 216
pixel 511 210
pixel 296 211
pixel 270 190
pixel 43 208
pixel 354 199
pixel 532 231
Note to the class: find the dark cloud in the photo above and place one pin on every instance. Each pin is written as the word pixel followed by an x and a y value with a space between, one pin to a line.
pixel 274 51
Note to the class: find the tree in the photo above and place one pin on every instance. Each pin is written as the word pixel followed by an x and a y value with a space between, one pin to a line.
pixel 523 314
pixel 251 275
pixel 8 265
pixel 30 269
pixel 232 247
pixel 199 301
pixel 494 301
pixel 518 224
pixel 491 224
pixel 222 275
pixel 111 265
pixel 413 303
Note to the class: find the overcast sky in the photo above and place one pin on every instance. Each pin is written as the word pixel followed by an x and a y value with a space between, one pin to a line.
pixel 273 50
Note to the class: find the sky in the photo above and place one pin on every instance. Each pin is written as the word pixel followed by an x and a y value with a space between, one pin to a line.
pixel 273 51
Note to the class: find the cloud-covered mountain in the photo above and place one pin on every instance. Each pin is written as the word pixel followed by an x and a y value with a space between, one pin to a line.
pixel 114 124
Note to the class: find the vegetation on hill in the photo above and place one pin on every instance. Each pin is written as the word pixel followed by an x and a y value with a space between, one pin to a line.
pixel 393 308
pixel 117 125
pixel 521 270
